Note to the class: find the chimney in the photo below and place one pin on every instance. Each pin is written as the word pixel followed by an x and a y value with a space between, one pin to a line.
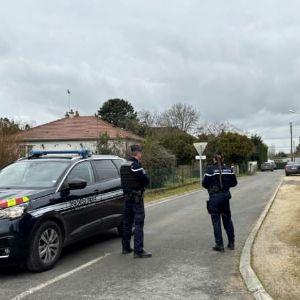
pixel 71 114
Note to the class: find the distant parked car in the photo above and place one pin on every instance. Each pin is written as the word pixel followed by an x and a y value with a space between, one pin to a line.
pixel 272 162
pixel 267 166
pixel 292 168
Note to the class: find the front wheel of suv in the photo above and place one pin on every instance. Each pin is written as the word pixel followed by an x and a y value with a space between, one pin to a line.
pixel 45 247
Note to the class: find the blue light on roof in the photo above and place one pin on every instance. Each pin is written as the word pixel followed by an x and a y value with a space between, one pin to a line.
pixel 83 152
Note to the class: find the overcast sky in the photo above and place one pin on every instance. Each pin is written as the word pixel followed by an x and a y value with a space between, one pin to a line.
pixel 234 60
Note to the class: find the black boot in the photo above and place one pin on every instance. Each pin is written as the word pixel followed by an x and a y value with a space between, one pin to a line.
pixel 127 251
pixel 144 254
pixel 218 248
pixel 231 246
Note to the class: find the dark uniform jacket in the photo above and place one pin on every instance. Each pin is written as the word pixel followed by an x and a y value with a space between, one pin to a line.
pixel 211 180
pixel 133 176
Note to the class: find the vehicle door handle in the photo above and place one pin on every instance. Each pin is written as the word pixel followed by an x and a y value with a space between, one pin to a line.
pixel 97 191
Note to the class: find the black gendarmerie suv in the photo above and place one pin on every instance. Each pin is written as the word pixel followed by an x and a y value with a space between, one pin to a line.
pixel 53 198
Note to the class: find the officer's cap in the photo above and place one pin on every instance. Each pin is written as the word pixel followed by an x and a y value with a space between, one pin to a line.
pixel 136 148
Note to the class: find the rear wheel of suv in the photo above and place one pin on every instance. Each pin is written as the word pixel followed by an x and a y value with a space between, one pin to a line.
pixel 45 247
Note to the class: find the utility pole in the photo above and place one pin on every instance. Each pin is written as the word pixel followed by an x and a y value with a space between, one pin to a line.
pixel 291 131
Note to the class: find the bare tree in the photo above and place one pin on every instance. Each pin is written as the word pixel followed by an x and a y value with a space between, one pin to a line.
pixel 182 116
pixel 216 128
pixel 148 118
pixel 9 144
pixel 9 149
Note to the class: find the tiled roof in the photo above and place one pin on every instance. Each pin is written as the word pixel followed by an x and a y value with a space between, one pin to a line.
pixel 76 128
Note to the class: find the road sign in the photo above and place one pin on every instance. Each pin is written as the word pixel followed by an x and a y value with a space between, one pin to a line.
pixel 200 157
pixel 200 147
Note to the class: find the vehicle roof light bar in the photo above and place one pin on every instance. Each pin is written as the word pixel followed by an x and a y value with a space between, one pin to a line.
pixel 84 153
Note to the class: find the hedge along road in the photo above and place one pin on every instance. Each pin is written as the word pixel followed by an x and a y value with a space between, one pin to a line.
pixel 178 232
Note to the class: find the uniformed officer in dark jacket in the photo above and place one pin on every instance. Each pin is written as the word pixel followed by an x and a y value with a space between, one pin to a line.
pixel 218 180
pixel 134 180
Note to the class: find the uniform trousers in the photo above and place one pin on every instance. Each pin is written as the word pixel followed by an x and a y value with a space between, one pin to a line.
pixel 219 208
pixel 134 213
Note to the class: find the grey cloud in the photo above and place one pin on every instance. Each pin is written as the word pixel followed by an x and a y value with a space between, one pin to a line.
pixel 236 61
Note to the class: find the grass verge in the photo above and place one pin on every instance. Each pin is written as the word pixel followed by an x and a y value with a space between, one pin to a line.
pixel 171 191
pixel 176 190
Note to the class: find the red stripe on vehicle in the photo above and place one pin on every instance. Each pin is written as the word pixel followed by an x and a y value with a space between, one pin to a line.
pixel 3 204
pixel 19 201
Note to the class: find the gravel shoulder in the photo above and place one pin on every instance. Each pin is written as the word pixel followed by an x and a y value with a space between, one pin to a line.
pixel 276 251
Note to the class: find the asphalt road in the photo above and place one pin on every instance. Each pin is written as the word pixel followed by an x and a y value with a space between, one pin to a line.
pixel 179 234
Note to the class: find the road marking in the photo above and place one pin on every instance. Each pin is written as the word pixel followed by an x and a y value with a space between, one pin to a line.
pixel 168 199
pixel 58 278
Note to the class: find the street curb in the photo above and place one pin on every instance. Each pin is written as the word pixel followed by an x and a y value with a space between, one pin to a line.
pixel 252 282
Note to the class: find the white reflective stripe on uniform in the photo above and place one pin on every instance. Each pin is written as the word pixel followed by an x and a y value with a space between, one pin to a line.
pixel 140 169
pixel 225 171
pixel 218 173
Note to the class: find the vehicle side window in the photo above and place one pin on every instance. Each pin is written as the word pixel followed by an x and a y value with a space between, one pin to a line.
pixel 118 163
pixel 82 171
pixel 105 169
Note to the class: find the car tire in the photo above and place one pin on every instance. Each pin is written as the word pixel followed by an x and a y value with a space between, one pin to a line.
pixel 45 247
pixel 287 174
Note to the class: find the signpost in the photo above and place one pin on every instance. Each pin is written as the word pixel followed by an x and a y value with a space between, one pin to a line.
pixel 200 148
pixel 200 157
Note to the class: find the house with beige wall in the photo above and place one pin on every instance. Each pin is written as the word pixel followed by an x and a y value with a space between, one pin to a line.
pixel 74 132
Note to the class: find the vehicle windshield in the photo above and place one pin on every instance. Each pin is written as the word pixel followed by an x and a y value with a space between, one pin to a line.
pixel 32 173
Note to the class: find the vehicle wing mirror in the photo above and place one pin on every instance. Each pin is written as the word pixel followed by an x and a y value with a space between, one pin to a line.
pixel 77 184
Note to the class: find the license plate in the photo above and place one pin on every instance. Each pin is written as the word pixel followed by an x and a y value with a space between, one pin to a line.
pixel 294 168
